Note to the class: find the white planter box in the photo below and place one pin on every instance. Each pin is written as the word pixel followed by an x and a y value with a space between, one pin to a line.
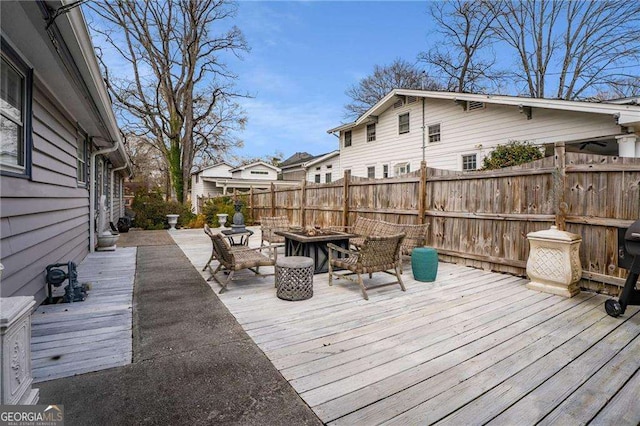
pixel 15 351
pixel 554 262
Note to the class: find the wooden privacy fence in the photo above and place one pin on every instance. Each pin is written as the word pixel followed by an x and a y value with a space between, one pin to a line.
pixel 482 218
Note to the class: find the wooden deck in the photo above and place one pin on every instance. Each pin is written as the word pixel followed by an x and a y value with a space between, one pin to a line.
pixel 75 338
pixel 473 347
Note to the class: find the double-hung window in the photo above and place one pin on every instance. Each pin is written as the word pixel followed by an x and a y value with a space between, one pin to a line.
pixel 15 113
pixel 371 172
pixel 434 133
pixel 347 138
pixel 316 178
pixel 371 132
pixel 327 177
pixel 403 123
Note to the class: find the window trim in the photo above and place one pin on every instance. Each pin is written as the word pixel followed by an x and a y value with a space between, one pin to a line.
pixel 350 138
pixel 327 177
pixel 371 137
pixel 316 178
pixel 462 161
pixel 369 169
pixel 434 134
pixel 26 71
pixel 385 170
pixel 408 124
pixel 84 139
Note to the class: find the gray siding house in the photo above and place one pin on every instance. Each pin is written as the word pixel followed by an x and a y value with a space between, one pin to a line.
pixel 60 150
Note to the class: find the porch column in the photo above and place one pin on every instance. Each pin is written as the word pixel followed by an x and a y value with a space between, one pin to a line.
pixel 628 146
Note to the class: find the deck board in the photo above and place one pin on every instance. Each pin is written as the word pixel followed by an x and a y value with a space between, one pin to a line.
pixel 471 347
pixel 95 334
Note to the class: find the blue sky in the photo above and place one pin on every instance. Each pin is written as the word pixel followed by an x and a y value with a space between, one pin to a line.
pixel 304 55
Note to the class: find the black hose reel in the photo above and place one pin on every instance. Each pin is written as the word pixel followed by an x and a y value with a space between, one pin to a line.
pixel 74 291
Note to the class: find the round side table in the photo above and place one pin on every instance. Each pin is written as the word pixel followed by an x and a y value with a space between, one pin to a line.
pixel 294 278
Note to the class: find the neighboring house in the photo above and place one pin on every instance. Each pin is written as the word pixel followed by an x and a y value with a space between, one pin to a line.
pixel 222 178
pixel 457 130
pixel 324 168
pixel 60 146
pixel 293 167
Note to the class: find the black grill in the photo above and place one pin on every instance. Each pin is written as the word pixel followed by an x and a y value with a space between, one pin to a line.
pixel 630 295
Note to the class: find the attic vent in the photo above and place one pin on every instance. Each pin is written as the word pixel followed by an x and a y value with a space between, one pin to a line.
pixel 411 99
pixel 398 103
pixel 472 105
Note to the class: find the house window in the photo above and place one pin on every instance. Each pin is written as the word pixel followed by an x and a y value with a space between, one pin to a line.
pixel 327 177
pixel 434 133
pixel 402 169
pixel 330 166
pixel 469 162
pixel 317 178
pixel 403 123
pixel 81 159
pixel 371 172
pixel 371 132
pixel 259 172
pixel 385 171
pixel 15 117
pixel 317 168
pixel 347 138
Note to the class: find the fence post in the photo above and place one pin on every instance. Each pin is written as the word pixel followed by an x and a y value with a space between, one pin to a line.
pixel 422 196
pixel 345 199
pixel 560 184
pixel 250 206
pixel 273 200
pixel 303 201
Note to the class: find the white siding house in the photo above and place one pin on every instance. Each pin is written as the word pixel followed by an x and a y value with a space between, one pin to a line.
pixel 455 131
pixel 223 178
pixel 324 168
pixel 61 147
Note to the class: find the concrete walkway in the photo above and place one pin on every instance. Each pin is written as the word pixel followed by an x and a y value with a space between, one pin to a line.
pixel 193 363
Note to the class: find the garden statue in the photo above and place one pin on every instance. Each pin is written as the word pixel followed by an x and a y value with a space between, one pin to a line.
pixel 238 217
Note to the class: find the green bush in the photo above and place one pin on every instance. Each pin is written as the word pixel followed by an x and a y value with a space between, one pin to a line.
pixel 151 211
pixel 511 154
pixel 224 204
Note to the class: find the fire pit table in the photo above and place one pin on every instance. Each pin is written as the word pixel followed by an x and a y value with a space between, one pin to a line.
pixel 300 243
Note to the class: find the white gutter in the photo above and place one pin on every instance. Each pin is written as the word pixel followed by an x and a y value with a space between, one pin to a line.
pixel 113 173
pixel 92 192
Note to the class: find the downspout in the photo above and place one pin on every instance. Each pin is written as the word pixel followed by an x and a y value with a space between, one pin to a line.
pixel 112 185
pixel 92 193
pixel 424 146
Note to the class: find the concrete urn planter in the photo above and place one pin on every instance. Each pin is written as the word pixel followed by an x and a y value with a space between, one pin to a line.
pixel 173 221
pixel 554 262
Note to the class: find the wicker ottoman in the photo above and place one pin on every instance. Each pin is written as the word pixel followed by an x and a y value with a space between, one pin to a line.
pixel 294 278
pixel 424 263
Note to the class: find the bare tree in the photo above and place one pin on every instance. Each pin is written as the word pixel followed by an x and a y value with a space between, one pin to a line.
pixel 399 75
pixel 465 61
pixel 177 79
pixel 570 49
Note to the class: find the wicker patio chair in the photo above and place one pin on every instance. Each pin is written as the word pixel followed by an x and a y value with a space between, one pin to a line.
pixel 268 226
pixel 214 256
pixel 236 259
pixel 377 254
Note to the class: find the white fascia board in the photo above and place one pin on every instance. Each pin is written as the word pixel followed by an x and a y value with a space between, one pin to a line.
pixel 342 127
pixel 321 159
pixel 257 163
pixel 92 75
pixel 628 115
